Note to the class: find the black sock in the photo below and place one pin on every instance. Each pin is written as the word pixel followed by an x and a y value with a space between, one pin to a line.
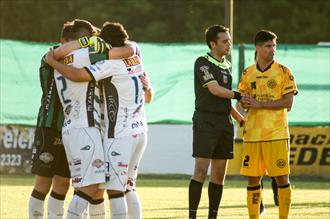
pixel 275 191
pixel 57 196
pixel 38 195
pixel 195 192
pixel 215 193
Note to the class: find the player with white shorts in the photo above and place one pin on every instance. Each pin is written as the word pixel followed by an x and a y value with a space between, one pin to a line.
pixel 123 83
pixel 81 132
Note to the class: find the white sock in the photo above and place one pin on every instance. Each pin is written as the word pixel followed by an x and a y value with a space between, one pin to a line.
pixel 97 211
pixel 118 208
pixel 77 207
pixel 36 208
pixel 133 205
pixel 55 206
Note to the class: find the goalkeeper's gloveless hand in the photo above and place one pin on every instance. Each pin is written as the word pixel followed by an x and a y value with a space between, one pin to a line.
pixel 99 44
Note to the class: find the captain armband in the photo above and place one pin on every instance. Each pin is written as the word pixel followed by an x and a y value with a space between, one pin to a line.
pixel 83 42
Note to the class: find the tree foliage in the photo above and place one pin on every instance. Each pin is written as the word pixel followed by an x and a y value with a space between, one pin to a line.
pixel 294 21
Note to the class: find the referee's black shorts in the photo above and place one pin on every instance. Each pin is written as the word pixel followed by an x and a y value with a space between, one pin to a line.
pixel 48 154
pixel 213 136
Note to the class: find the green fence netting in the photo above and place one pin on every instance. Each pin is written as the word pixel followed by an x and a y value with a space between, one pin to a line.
pixel 170 68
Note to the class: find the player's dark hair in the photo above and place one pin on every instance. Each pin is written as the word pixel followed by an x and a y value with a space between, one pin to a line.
pixel 211 33
pixel 66 33
pixel 264 36
pixel 114 33
pixel 77 28
pixel 82 28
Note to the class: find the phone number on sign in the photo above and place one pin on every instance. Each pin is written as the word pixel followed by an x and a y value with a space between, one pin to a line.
pixel 12 160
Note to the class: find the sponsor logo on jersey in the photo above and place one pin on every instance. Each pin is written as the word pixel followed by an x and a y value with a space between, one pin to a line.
pixel 86 148
pixel 97 163
pixel 132 61
pixel 120 164
pixel 76 180
pixel 68 60
pixel 271 83
pixel 76 162
pixel 280 163
pixel 137 124
pixel 207 75
pixel 263 76
pixel 46 157
pixel 137 69
pixel 114 153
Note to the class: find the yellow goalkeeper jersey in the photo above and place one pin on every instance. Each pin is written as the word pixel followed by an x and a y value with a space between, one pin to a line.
pixel 268 85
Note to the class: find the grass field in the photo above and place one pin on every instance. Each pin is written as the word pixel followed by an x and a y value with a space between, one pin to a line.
pixel 166 197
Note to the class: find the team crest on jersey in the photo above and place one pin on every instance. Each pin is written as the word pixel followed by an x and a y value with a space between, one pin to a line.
pixel 97 163
pixel 132 61
pixel 68 60
pixel 280 163
pixel 271 83
pixel 46 157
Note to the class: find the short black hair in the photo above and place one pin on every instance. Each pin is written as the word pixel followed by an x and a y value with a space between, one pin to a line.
pixel 66 33
pixel 82 28
pixel 211 33
pixel 264 36
pixel 114 33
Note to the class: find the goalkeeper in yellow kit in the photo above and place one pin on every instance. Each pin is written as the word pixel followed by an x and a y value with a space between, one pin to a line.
pixel 268 89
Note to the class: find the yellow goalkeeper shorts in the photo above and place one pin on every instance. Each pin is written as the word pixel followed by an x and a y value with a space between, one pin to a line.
pixel 265 158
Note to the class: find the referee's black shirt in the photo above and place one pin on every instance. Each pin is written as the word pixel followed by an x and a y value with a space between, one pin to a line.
pixel 207 68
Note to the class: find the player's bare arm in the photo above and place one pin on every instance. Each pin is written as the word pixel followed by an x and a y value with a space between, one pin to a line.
pixel 100 46
pixel 72 73
pixel 237 116
pixel 221 92
pixel 285 102
pixel 148 90
pixel 121 52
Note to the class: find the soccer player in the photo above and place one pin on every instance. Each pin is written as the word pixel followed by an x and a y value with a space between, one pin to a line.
pixel 213 130
pixel 268 90
pixel 49 160
pixel 81 129
pixel 125 124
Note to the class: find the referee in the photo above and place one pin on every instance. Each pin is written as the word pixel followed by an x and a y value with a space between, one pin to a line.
pixel 212 125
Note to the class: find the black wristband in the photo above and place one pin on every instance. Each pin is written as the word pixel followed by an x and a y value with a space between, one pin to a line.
pixel 237 95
